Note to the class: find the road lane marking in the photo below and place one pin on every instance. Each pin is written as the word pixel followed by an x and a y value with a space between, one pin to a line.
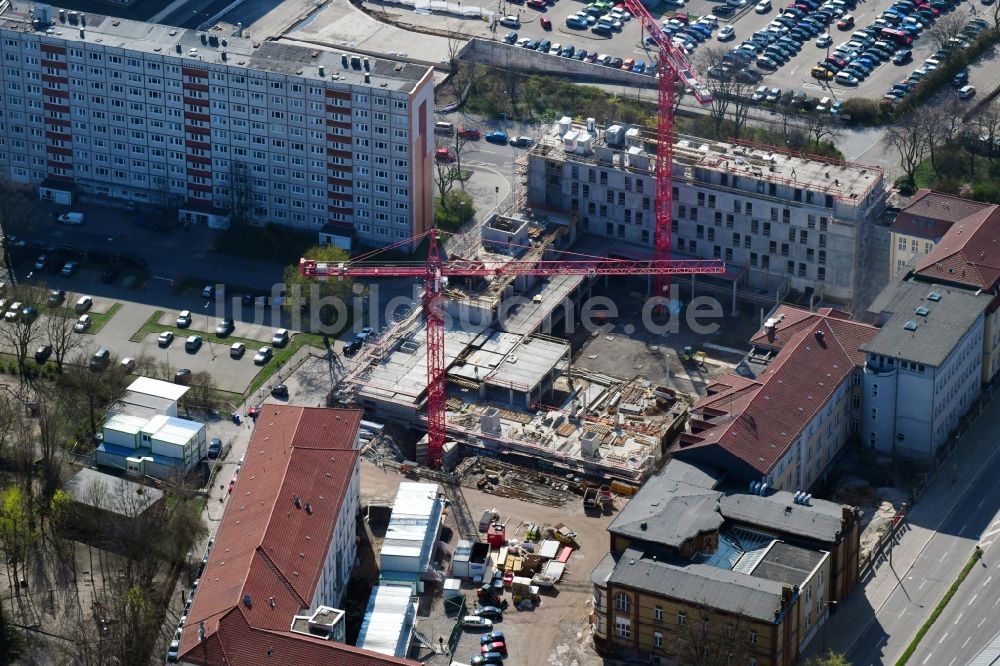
pixel 962 529
pixel 965 643
pixel 922 583
pixel 958 619
pixel 981 622
pixel 941 640
pixel 987 581
pixel 990 533
pixel 974 597
pixel 927 658
pixel 981 503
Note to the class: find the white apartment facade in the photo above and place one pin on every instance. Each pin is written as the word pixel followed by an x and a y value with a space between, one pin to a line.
pixel 924 368
pixel 779 221
pixel 221 127
pixel 343 550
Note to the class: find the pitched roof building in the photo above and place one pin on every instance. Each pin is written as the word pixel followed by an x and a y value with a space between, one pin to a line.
pixel 750 573
pixel 968 255
pixel 284 548
pixel 924 222
pixel 788 412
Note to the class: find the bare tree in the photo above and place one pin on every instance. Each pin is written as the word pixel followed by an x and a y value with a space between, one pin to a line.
pixel 86 389
pixel 18 209
pixel 909 139
pixel 53 431
pixel 944 28
pixel 731 91
pixel 239 192
pixel 706 637
pixel 201 392
pixel 19 332
pixel 821 125
pixel 62 337
pixel 986 128
pixel 446 174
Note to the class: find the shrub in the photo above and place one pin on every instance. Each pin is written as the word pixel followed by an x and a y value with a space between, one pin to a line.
pixel 906 185
pixel 861 111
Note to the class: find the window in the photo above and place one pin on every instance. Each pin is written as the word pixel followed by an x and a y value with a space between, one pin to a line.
pixel 730 631
pixel 682 618
pixel 622 600
pixel 623 627
pixel 753 637
pixel 658 613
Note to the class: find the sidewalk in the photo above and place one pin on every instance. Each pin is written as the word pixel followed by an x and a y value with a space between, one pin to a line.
pixel 975 452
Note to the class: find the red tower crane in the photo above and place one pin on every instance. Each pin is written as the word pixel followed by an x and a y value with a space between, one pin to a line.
pixel 436 269
pixel 672 66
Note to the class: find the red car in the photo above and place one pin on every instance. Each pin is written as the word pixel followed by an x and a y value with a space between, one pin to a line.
pixel 545 22
pixel 444 155
pixel 540 5
pixel 232 482
pixel 469 133
pixel 495 646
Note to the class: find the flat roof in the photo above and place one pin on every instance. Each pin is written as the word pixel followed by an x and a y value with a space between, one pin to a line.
pixel 157 388
pixel 788 564
pixel 172 429
pixel 265 56
pixel 388 621
pixel 844 181
pixel 131 424
pixel 414 521
pixel 922 322
pixel 111 493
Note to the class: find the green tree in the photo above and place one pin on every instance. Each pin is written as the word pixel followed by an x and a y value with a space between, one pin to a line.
pixel 16 530
pixel 325 300
pixel 831 658
pixel 454 210
pixel 11 641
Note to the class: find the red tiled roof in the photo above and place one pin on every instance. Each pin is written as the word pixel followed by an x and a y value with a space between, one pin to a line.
pixel 270 551
pixel 969 254
pixel 756 420
pixel 238 643
pixel 931 214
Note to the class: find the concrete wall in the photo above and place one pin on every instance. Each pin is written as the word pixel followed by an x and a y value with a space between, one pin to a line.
pixel 501 54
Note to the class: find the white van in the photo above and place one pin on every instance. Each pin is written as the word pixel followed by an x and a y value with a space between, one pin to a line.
pixel 443 128
pixel 71 218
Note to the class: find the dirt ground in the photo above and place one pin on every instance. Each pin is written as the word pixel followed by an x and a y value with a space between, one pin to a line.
pixel 556 633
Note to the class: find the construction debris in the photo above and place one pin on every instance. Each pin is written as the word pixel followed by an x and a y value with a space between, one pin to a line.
pixel 506 480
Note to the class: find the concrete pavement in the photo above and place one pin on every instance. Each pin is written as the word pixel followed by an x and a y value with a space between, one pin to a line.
pixel 875 624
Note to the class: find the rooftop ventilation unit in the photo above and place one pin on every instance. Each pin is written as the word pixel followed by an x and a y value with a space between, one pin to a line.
pixel 910 325
pixel 923 311
pixel 934 296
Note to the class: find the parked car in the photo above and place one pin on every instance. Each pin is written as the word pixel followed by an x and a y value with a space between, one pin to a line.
pixel 208 291
pixel 545 22
pixel 966 92
pixel 41 262
pixel 728 32
pixel 237 350
pixel 279 391
pixel 263 355
pixel 82 324
pixel 225 327
pixel 489 612
pixel 70 218
pixel 491 637
pixel 824 40
pixel 444 154
pixel 352 348
pixel 127 365
pixel 182 377
pixel 43 353
pixel 184 319
pixel 280 338
pixel 763 7
pixel 510 22
pixel 100 360
pixel 56 296
pixel 497 136
pixel 165 339
pixel 14 312
pixel 476 622
pixel 470 133
pixel 192 344
pixel 961 79
pixel 214 448
pixel 488 659
pixel 83 304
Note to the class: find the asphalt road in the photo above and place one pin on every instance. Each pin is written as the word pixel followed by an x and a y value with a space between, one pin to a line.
pixel 961 504
pixel 972 616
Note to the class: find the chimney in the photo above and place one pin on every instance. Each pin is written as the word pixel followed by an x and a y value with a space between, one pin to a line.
pixel 322 70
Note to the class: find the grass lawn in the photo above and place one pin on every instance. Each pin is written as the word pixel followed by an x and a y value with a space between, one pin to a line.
pixel 97 319
pixel 280 357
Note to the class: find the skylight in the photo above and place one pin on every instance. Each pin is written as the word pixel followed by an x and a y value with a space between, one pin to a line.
pixel 910 325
